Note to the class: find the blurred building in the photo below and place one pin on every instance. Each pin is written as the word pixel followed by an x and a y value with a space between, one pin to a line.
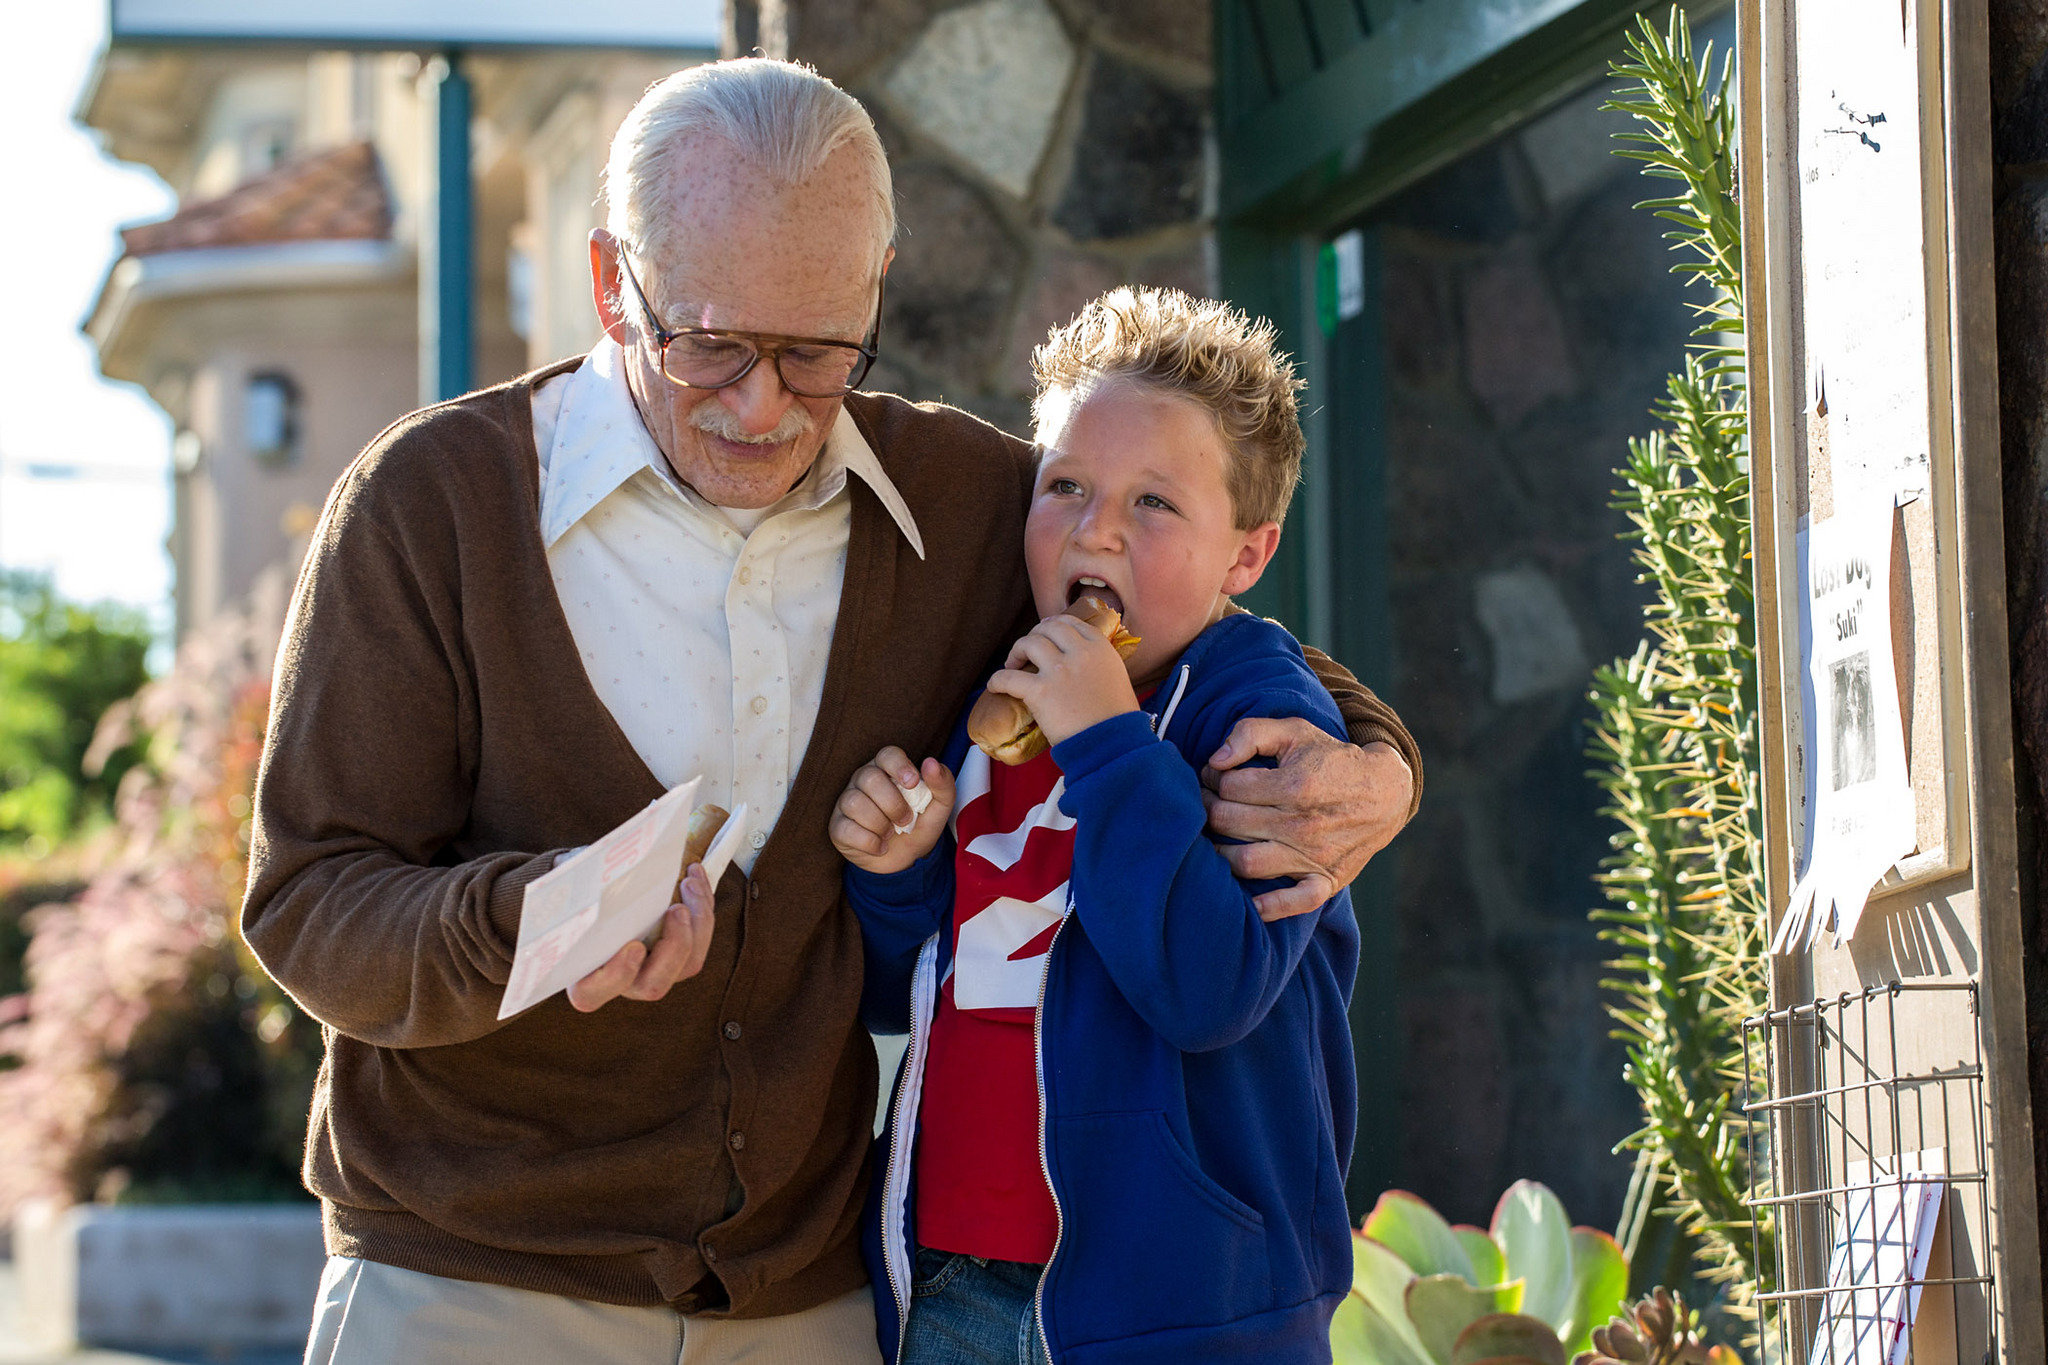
pixel 274 316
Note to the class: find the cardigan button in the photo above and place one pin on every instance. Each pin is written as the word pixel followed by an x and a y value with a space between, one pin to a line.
pixel 739 1141
pixel 733 1029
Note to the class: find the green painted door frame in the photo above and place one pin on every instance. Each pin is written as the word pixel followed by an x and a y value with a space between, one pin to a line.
pixel 1324 110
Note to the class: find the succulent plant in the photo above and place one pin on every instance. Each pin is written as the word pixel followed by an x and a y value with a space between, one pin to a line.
pixel 1527 1289
pixel 1656 1330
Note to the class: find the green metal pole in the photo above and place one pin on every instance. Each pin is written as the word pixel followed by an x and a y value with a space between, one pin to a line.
pixel 447 270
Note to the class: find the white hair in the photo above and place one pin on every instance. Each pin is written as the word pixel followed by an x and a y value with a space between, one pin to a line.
pixel 782 116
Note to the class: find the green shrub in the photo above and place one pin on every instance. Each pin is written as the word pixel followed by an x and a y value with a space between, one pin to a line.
pixel 153 1060
pixel 62 666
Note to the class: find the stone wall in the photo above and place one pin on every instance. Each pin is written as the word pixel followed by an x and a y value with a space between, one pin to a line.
pixel 1530 319
pixel 2019 145
pixel 1044 151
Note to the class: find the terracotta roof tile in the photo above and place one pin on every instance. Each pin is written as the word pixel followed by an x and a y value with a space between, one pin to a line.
pixel 335 194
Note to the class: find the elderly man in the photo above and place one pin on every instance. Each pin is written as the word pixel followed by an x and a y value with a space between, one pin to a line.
pixel 526 614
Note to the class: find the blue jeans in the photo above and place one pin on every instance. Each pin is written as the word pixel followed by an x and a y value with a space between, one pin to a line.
pixel 968 1310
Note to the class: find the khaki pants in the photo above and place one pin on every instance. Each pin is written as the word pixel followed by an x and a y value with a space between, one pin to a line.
pixel 374 1314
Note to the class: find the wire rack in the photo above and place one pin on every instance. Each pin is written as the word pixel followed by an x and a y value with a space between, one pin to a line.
pixel 1864 1092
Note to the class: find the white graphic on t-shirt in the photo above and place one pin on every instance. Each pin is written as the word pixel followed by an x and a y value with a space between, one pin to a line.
pixel 990 969
pixel 970 784
pixel 986 975
pixel 1003 849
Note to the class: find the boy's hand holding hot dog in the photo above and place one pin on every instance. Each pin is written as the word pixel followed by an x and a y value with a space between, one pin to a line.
pixel 891 814
pixel 1003 722
pixel 1081 678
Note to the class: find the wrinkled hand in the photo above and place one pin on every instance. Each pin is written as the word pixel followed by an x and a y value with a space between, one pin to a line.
pixel 876 805
pixel 1081 679
pixel 640 972
pixel 1318 817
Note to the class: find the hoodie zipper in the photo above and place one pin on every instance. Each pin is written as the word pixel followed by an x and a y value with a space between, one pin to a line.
pixel 1059 1217
pixel 909 1080
pixel 1159 724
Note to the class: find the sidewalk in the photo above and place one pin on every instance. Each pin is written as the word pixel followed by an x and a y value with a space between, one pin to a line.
pixel 16 1349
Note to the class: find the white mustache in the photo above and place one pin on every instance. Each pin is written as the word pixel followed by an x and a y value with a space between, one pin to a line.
pixel 718 420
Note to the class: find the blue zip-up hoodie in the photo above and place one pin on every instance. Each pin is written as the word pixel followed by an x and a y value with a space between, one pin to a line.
pixel 1198 1095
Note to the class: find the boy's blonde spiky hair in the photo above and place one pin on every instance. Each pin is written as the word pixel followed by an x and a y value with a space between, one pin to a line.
pixel 1202 350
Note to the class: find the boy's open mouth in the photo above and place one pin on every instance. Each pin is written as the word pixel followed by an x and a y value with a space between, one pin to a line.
pixel 1086 586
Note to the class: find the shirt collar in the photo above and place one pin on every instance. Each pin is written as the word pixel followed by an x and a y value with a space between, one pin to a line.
pixel 599 442
pixel 852 451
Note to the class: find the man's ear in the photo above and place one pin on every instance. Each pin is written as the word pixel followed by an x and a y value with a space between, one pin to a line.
pixel 607 285
pixel 1253 555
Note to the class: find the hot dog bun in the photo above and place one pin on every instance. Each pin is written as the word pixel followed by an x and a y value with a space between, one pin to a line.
pixel 705 822
pixel 1001 726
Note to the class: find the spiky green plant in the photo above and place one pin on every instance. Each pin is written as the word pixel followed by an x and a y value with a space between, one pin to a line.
pixel 1675 729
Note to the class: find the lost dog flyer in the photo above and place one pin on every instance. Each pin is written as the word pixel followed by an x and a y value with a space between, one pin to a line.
pixel 1858 800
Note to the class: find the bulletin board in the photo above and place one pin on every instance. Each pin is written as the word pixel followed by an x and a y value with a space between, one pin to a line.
pixel 1866 198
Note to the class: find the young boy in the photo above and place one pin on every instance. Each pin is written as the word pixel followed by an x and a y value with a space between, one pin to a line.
pixel 1122 1124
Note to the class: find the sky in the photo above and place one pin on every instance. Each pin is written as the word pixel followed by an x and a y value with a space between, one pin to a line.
pixel 84 463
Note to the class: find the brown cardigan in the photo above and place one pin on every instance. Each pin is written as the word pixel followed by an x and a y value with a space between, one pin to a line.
pixel 434 742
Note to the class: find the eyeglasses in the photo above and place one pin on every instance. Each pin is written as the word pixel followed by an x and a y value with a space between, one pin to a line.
pixel 707 358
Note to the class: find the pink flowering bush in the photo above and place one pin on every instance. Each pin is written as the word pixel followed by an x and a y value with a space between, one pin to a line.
pixel 153 1059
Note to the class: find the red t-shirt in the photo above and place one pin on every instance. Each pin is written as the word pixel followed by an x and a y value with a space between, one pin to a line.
pixel 981 1188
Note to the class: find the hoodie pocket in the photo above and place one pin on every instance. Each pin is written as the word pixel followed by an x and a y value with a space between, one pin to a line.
pixel 1149 1241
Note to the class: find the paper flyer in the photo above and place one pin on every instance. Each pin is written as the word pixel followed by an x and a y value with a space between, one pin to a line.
pixel 1858 799
pixel 599 899
pixel 1882 1244
pixel 1862 244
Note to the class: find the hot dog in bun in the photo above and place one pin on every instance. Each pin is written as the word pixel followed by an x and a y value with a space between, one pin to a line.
pixel 1002 727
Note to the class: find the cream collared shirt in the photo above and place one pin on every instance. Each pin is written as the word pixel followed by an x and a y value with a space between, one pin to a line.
pixel 705 641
